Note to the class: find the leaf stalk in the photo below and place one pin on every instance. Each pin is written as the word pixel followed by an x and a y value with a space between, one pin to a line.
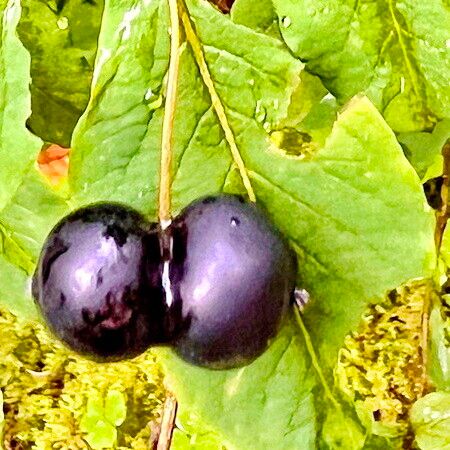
pixel 314 359
pixel 169 114
pixel 167 423
pixel 199 56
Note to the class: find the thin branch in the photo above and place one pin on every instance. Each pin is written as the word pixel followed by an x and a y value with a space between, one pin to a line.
pixel 443 213
pixel 216 101
pixel 167 423
pixel 169 113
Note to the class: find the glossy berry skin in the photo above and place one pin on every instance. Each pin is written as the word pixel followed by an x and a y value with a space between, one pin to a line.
pixel 232 276
pixel 98 282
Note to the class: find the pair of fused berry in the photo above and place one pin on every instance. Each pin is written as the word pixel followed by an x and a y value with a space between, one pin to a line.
pixel 214 285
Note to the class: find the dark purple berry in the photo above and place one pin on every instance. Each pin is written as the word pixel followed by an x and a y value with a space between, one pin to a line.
pixel 232 277
pixel 98 282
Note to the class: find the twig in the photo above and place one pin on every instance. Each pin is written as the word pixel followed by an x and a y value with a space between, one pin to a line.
pixel 193 40
pixel 443 214
pixel 167 423
pixel 169 113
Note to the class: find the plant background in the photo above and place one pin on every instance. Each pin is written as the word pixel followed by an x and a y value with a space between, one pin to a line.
pixel 314 92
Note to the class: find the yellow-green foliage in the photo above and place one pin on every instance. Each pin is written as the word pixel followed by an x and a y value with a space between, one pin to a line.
pixel 46 388
pixel 381 365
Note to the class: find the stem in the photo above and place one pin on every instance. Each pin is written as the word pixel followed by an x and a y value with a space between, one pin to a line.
pixel 216 101
pixel 442 216
pixel 425 323
pixel 169 113
pixel 167 423
pixel 443 213
pixel 314 360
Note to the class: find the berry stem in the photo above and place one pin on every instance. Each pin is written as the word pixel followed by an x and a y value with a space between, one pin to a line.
pixel 199 56
pixel 313 356
pixel 169 113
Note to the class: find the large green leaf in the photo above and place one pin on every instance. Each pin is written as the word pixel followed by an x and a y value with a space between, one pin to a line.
pixel 28 206
pixel 18 148
pixel 348 254
pixel 62 39
pixel 354 210
pixel 396 51
pixel 116 144
pixel 267 404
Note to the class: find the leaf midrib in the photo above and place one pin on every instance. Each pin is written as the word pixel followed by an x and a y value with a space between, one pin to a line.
pixel 403 49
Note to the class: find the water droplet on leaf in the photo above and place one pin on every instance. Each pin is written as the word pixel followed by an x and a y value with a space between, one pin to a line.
pixel 260 112
pixel 286 22
pixel 63 23
pixel 153 100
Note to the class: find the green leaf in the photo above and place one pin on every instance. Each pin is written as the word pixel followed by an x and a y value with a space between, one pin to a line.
pixel 395 51
pixel 115 407
pixel 24 224
pixel 430 418
pixel 440 348
pixel 62 39
pixel 116 142
pixel 320 119
pixel 28 206
pixel 311 115
pixel 350 253
pixel 18 148
pixel 94 411
pixel 309 93
pixel 262 18
pixel 377 442
pixel 354 209
pixel 340 430
pixel 265 404
pixel 32 212
pixel 103 167
pixel 192 434
pixel 15 290
pixel 424 150
pixel 102 436
pixel 392 432
pixel 348 256
pixel 100 432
